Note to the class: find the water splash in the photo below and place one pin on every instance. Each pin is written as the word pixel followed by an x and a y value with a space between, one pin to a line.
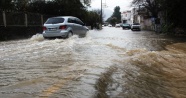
pixel 37 37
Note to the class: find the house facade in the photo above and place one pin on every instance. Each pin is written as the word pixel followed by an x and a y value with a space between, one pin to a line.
pixel 126 17
pixel 140 15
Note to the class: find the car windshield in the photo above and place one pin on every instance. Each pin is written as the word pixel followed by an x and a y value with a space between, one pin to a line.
pixel 54 20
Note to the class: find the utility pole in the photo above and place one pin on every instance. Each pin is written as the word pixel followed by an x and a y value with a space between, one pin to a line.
pixel 101 12
pixel 103 5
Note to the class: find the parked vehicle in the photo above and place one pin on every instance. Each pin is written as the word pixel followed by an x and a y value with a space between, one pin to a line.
pixel 117 25
pixel 64 26
pixel 136 26
pixel 126 26
pixel 110 25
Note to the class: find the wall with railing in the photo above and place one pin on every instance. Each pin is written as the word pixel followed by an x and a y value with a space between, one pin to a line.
pixel 15 25
pixel 8 18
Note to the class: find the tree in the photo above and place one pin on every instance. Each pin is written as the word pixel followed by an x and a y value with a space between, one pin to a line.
pixel 21 5
pixel 93 18
pixel 112 20
pixel 57 7
pixel 86 2
pixel 6 4
pixel 153 6
pixel 36 7
pixel 117 14
pixel 77 8
pixel 175 12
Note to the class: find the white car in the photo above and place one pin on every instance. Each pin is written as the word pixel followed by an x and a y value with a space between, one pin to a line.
pixel 64 26
pixel 117 25
pixel 110 25
pixel 136 26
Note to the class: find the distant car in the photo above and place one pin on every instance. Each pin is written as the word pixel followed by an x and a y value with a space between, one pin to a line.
pixel 136 26
pixel 126 26
pixel 117 25
pixel 64 26
pixel 110 25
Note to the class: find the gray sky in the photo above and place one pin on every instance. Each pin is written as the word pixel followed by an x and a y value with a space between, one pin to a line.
pixel 124 4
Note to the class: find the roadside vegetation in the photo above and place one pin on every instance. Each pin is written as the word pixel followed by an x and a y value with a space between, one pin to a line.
pixel 76 8
pixel 116 17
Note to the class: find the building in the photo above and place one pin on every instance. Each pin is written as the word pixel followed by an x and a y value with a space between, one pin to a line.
pixel 141 15
pixel 126 17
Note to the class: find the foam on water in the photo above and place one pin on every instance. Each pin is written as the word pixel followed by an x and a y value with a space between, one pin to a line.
pixel 70 67
pixel 37 37
pixel 155 73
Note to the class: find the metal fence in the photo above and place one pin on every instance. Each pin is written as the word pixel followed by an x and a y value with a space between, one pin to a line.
pixel 22 19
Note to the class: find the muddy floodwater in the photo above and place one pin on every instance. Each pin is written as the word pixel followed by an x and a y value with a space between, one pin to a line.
pixel 110 63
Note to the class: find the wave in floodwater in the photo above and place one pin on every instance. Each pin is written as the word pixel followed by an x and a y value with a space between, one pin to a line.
pixel 91 67
pixel 146 74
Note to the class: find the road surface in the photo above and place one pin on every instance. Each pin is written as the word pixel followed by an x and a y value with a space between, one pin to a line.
pixel 108 63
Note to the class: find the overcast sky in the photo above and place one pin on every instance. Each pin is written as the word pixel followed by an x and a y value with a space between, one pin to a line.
pixel 111 4
pixel 124 4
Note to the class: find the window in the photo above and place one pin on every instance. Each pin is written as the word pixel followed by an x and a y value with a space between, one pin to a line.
pixel 54 20
pixel 71 20
pixel 78 21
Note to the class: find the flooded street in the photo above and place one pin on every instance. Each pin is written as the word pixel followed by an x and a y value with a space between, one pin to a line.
pixel 110 63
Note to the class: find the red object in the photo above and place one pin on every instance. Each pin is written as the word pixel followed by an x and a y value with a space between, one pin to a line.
pixel 63 27
pixel 44 28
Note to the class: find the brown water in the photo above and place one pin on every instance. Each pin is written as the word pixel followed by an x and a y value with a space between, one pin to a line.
pixel 111 63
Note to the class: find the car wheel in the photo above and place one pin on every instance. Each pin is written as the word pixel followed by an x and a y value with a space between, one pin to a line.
pixel 70 34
